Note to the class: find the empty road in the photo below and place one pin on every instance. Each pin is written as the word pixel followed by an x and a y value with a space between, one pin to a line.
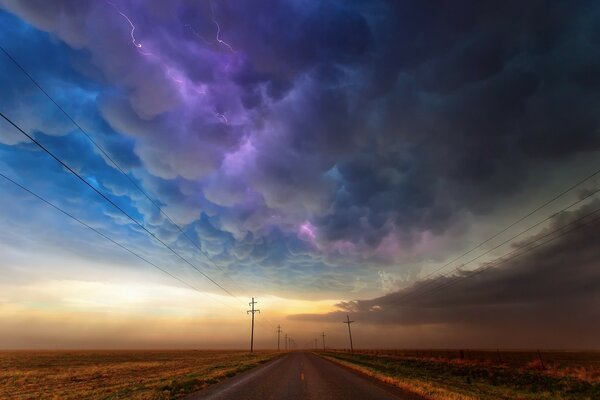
pixel 301 376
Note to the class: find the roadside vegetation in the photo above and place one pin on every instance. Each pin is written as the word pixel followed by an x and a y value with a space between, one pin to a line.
pixel 109 375
pixel 485 375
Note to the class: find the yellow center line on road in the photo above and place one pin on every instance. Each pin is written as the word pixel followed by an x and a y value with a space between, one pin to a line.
pixel 301 376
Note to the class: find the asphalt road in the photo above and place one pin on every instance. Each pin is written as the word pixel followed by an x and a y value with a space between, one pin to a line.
pixel 301 376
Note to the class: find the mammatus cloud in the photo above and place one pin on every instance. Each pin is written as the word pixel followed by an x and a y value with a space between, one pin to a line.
pixel 305 140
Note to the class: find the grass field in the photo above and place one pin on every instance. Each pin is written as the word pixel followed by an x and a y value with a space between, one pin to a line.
pixel 117 374
pixel 433 374
pixel 482 374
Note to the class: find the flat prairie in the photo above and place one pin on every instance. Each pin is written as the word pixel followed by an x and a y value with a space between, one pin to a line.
pixel 123 374
pixel 481 374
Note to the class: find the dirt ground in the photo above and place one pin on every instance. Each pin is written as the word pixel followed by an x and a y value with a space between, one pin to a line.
pixel 117 374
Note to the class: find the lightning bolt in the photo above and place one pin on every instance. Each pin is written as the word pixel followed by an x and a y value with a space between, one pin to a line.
pixel 222 118
pixel 138 45
pixel 218 35
pixel 134 41
pixel 172 73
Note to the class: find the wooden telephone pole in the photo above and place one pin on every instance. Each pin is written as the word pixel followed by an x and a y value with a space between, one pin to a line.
pixel 252 303
pixel 286 342
pixel 347 321
pixel 323 336
pixel 278 334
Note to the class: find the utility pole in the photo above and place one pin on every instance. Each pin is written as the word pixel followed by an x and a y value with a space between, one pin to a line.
pixel 278 333
pixel 286 342
pixel 323 336
pixel 252 303
pixel 347 321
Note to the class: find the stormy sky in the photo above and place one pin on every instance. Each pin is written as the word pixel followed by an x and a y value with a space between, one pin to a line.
pixel 326 157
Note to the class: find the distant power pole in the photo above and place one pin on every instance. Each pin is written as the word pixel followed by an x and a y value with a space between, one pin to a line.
pixel 278 333
pixel 347 321
pixel 252 303
pixel 323 336
pixel 286 342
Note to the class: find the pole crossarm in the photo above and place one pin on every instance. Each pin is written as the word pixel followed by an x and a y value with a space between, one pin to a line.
pixel 253 311
pixel 347 321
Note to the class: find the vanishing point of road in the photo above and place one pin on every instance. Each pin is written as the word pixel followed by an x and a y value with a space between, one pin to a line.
pixel 301 376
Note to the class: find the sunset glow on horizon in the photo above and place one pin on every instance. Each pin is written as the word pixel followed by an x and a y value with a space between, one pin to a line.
pixel 433 175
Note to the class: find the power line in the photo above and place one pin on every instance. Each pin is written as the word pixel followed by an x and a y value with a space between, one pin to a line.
pixel 39 197
pixel 530 213
pixel 57 159
pixel 116 164
pixel 416 291
pixel 181 230
pixel 512 255
pixel 503 259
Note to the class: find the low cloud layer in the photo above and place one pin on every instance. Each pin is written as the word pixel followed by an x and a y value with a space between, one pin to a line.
pixel 545 292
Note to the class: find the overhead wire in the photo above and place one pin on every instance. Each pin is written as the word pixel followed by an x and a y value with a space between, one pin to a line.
pixel 430 282
pixel 119 208
pixel 522 218
pixel 503 259
pixel 511 255
pixel 105 236
pixel 116 164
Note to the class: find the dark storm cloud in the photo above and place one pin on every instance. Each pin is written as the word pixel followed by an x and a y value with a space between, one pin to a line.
pixel 547 288
pixel 480 93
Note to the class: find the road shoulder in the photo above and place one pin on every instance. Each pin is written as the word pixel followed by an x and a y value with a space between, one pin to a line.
pixel 233 382
pixel 379 380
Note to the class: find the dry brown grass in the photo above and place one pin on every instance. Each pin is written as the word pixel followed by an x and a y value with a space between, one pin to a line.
pixel 583 365
pixel 436 376
pixel 117 374
pixel 422 388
